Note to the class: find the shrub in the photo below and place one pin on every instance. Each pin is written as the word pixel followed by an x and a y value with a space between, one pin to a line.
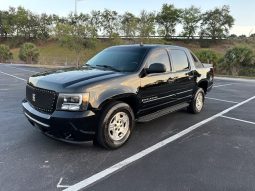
pixel 247 71
pixel 207 56
pixel 29 53
pixel 237 58
pixel 5 53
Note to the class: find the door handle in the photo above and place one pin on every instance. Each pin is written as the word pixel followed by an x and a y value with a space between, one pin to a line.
pixel 172 79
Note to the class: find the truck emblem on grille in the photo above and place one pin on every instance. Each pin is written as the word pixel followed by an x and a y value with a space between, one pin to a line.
pixel 33 97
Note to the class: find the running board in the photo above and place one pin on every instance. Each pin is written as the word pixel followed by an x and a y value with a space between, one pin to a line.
pixel 161 113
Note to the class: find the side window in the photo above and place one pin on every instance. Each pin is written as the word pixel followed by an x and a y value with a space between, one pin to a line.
pixel 197 63
pixel 179 59
pixel 159 56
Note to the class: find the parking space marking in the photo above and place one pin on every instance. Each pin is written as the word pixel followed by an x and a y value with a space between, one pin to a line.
pixel 223 85
pixel 221 100
pixel 13 76
pixel 241 120
pixel 61 186
pixel 26 70
pixel 117 167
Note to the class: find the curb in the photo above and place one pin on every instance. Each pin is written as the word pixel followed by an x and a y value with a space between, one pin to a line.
pixel 235 79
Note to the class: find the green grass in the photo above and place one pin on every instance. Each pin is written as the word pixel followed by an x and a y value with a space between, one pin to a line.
pixel 51 53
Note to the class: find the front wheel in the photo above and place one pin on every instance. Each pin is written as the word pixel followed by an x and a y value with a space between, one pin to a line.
pixel 115 126
pixel 197 103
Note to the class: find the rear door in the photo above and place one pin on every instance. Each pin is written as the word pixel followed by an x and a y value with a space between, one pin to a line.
pixel 183 74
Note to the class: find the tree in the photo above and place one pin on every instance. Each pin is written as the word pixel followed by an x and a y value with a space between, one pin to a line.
pixel 233 36
pixel 75 37
pixel 146 24
pixel 44 27
pixel 190 18
pixel 243 36
pixel 110 22
pixel 22 22
pixel 216 23
pixel 167 19
pixel 3 31
pixel 29 53
pixel 5 53
pixel 7 22
pixel 95 22
pixel 129 23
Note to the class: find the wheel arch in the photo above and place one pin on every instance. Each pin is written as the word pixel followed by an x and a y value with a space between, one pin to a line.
pixel 204 85
pixel 130 99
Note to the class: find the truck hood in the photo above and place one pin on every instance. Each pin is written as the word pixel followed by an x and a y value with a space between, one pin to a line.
pixel 71 79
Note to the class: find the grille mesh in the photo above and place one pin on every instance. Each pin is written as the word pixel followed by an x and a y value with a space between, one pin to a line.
pixel 41 99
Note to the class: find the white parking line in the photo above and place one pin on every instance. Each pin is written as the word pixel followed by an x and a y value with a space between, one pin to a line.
pixel 220 100
pixel 115 168
pixel 61 186
pixel 222 85
pixel 238 119
pixel 13 76
pixel 26 70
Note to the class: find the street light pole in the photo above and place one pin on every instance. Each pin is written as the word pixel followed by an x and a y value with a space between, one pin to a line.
pixel 75 10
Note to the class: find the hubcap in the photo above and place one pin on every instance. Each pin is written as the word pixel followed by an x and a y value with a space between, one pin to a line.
pixel 118 126
pixel 199 101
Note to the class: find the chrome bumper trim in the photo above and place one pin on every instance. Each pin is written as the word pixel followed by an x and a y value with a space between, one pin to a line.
pixel 36 121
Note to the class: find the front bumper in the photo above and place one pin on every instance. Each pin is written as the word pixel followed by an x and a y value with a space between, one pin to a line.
pixel 63 125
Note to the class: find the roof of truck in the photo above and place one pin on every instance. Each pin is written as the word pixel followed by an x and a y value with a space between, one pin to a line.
pixel 151 46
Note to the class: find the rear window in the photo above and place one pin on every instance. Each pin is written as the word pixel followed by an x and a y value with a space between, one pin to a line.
pixel 179 60
pixel 197 63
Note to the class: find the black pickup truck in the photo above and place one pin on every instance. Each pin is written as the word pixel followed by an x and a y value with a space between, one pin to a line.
pixel 102 100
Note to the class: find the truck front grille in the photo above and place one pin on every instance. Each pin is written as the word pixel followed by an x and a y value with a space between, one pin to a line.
pixel 41 99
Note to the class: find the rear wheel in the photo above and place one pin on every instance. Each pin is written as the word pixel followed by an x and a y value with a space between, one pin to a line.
pixel 115 126
pixel 197 103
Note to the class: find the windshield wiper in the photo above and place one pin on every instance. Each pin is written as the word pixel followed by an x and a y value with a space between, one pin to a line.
pixel 108 67
pixel 87 65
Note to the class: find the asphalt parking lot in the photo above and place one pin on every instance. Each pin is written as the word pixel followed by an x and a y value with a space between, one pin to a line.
pixel 214 150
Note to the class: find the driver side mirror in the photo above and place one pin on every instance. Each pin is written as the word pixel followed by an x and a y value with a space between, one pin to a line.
pixel 156 68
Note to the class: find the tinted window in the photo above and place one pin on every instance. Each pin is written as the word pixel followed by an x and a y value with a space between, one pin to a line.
pixel 197 63
pixel 124 59
pixel 179 60
pixel 159 56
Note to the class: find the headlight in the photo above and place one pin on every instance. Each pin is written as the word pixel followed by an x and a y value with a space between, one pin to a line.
pixel 73 102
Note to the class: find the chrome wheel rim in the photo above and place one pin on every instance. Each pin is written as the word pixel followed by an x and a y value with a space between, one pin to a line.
pixel 119 126
pixel 199 101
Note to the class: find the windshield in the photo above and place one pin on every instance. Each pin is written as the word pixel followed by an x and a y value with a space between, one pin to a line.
pixel 122 59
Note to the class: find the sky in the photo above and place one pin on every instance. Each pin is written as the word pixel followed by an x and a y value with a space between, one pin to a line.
pixel 242 10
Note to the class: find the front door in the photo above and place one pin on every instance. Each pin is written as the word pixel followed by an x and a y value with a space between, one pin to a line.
pixel 157 90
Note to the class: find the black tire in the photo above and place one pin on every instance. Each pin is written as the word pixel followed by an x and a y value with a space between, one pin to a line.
pixel 108 116
pixel 193 107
